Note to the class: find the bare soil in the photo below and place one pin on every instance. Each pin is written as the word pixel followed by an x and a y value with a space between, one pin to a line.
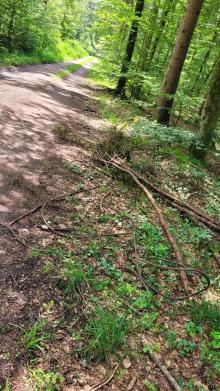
pixel 33 101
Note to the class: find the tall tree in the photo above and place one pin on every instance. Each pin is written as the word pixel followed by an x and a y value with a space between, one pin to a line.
pixel 211 109
pixel 143 56
pixel 120 90
pixel 172 76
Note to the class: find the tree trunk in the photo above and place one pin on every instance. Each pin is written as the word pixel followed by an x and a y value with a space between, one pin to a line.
pixel 163 22
pixel 206 57
pixel 171 80
pixel 142 65
pixel 120 90
pixel 11 29
pixel 211 109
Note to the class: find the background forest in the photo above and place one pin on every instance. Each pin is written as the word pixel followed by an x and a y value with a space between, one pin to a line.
pixel 45 30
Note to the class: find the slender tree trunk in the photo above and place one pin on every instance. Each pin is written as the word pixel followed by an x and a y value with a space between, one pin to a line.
pixel 211 109
pixel 11 29
pixel 171 80
pixel 206 57
pixel 143 60
pixel 163 22
pixel 120 90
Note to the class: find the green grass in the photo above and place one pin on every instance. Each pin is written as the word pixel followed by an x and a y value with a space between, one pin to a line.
pixel 63 51
pixel 73 67
pixel 99 77
pixel 35 338
pixel 72 277
pixel 106 331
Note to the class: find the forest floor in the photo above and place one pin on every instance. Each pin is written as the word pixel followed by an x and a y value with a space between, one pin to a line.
pixel 74 309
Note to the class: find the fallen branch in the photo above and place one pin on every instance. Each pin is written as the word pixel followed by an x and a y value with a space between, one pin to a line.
pixel 190 211
pixel 137 272
pixel 165 371
pixel 161 366
pixel 105 382
pixel 163 223
pixel 40 206
pixel 181 205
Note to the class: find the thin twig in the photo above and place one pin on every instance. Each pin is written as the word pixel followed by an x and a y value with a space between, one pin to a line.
pixel 105 382
pixel 60 198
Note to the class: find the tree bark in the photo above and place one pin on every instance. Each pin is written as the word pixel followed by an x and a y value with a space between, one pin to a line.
pixel 211 109
pixel 172 76
pixel 120 90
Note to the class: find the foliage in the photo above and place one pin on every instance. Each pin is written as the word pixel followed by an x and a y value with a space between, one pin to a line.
pixel 45 381
pixel 207 313
pixel 35 338
pixel 152 241
pixel 185 347
pixel 42 31
pixel 157 32
pixel 193 329
pixel 211 356
pixel 159 134
pixel 106 330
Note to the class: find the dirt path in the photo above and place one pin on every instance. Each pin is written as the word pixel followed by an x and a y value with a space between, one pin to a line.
pixel 32 102
pixel 33 168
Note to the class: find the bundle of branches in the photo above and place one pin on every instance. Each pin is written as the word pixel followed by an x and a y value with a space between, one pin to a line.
pixel 182 206
pixel 122 146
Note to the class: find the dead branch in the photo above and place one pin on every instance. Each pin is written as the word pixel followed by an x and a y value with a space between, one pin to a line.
pixel 181 205
pixel 161 366
pixel 165 371
pixel 163 223
pixel 192 212
pixel 102 384
pixel 40 206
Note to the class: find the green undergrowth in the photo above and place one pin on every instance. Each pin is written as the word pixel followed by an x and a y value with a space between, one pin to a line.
pixel 63 51
pixel 97 75
pixel 110 281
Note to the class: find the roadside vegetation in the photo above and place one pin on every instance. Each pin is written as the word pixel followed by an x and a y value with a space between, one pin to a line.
pixel 43 32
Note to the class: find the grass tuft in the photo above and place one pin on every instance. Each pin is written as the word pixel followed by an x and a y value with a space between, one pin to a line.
pixel 106 331
pixel 35 338
pixel 72 277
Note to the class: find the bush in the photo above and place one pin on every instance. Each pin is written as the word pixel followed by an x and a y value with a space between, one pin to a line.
pixel 62 51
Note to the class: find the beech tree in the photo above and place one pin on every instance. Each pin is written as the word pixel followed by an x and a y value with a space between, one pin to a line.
pixel 211 109
pixel 120 90
pixel 173 73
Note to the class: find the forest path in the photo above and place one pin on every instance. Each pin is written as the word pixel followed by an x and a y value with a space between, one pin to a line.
pixel 32 102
